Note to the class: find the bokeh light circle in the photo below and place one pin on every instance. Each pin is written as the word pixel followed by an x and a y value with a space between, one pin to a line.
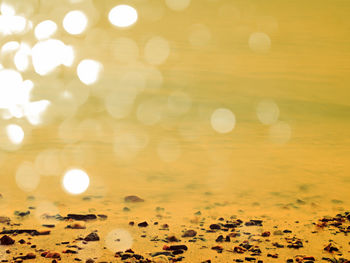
pixel 223 120
pixel 75 22
pixel 27 178
pixel 157 50
pixel 259 42
pixel 267 112
pixel 88 71
pixel 45 29
pixel 15 133
pixel 76 181
pixel 123 16
pixel 280 132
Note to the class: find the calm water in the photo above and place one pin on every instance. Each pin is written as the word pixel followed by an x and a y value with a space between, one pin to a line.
pixel 147 125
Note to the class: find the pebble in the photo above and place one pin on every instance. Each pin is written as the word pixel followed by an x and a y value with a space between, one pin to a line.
pixel 6 240
pixel 133 199
pixel 215 227
pixel 189 233
pixel 92 237
pixel 142 224
pixel 80 217
pixel 76 226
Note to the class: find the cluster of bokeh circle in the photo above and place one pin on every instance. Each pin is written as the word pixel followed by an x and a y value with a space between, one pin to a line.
pixel 25 104
pixel 49 53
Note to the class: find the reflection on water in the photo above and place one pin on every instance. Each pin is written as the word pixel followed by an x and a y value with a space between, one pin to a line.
pixel 178 101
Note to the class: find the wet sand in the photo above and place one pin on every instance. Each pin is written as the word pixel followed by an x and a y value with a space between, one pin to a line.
pixel 223 231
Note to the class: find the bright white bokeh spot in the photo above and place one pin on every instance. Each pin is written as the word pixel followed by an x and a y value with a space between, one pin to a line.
pixel 259 42
pixel 267 112
pixel 12 24
pixel 177 5
pixel 223 120
pixel 76 181
pixel 89 71
pixel 122 16
pixel 26 177
pixel 45 29
pixel 47 55
pixel 15 98
pixel 10 88
pixel 15 133
pixel 280 133
pixel 7 9
pixel 75 22
pixel 119 240
pixel 157 50
pixel 21 61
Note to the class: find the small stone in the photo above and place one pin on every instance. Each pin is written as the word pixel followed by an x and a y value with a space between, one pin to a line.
pixel 80 217
pixel 92 237
pixel 48 225
pixel 220 238
pixel 76 226
pixel 49 254
pixel 143 224
pixel 133 199
pixel 309 258
pixel 102 216
pixel 172 239
pixel 331 248
pixel 30 256
pixel 254 223
pixel 265 234
pixel 272 255
pixel 189 233
pixel 218 249
pixel 239 250
pixel 178 247
pixel 215 227
pixel 6 240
